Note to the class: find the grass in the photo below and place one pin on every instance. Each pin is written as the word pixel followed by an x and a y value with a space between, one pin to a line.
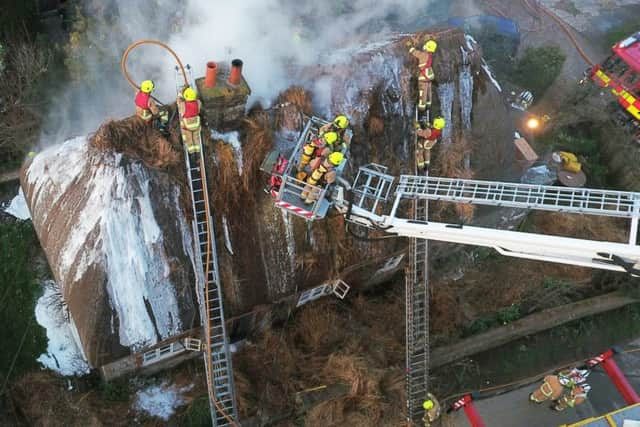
pixel 500 318
pixel 21 338
pixel 198 413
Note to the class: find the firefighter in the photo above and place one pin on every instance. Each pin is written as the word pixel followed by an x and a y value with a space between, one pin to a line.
pixel 577 396
pixel 432 410
pixel 427 138
pixel 317 147
pixel 340 126
pixel 324 171
pixel 189 109
pixel 146 108
pixel 551 389
pixel 426 76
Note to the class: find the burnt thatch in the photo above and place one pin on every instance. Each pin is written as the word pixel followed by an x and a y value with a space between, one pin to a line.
pixel 137 140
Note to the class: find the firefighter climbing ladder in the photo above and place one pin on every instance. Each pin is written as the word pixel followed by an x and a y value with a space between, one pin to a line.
pixel 218 366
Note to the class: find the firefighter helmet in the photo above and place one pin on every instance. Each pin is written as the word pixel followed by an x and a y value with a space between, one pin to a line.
pixel 189 94
pixel 147 86
pixel 430 46
pixel 427 405
pixel 439 123
pixel 336 158
pixel 341 121
pixel 330 137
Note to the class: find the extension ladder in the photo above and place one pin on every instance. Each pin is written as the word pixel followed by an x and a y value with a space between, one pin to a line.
pixel 417 319
pixel 218 365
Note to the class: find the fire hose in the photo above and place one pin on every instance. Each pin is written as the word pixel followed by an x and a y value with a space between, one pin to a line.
pixel 563 26
pixel 132 46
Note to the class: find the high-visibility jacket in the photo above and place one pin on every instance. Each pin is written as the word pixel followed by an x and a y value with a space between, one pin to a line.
pixel 425 64
pixel 191 109
pixel 142 102
pixel 326 171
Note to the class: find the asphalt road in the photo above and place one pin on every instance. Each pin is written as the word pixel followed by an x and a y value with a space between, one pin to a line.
pixel 513 409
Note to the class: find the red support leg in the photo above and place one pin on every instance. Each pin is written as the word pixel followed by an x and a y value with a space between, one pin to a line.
pixel 470 410
pixel 617 376
pixel 620 381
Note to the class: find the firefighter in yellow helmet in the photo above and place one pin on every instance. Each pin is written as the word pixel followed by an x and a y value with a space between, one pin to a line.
pixel 189 109
pixel 318 147
pixel 431 408
pixel 146 107
pixel 425 69
pixel 426 138
pixel 340 126
pixel 325 171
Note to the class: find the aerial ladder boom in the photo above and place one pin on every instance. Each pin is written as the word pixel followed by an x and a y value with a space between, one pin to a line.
pixel 373 186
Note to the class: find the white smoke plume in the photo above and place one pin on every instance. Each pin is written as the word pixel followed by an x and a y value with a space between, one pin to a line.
pixel 270 36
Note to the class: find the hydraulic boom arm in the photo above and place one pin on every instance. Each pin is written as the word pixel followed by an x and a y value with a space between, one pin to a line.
pixel 372 187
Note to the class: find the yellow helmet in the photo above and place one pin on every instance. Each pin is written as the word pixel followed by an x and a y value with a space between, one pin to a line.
pixel 330 137
pixel 428 404
pixel 189 94
pixel 147 86
pixel 430 46
pixel 341 121
pixel 336 158
pixel 439 123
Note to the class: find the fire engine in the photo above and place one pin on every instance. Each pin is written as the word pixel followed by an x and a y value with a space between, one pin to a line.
pixel 621 73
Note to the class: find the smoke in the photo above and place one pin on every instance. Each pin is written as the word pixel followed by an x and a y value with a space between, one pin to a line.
pixel 272 37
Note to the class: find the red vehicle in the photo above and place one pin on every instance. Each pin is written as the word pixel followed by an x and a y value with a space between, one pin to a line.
pixel 621 73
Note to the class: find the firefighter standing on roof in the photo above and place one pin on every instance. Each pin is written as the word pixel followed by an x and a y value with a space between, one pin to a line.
pixel 146 108
pixel 426 75
pixel 189 109
pixel 427 138
pixel 324 171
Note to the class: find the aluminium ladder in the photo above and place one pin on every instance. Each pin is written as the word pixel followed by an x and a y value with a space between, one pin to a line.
pixel 417 318
pixel 220 383
pixel 622 204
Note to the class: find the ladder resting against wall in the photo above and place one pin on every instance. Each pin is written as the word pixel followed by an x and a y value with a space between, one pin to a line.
pixel 219 370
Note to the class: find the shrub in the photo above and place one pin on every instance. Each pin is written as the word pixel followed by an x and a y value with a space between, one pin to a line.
pixel 198 414
pixel 116 391
pixel 538 68
pixel 21 338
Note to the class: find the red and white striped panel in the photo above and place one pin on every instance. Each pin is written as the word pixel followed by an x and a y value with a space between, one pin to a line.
pixel 294 208
pixel 461 403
